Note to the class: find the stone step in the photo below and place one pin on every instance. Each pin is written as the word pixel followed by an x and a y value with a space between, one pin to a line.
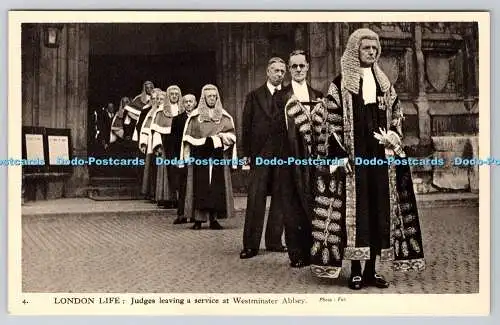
pixel 88 207
pixel 111 193
pixel 462 144
pixel 113 181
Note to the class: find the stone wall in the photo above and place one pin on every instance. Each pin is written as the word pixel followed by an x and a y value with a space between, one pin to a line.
pixel 434 67
pixel 54 95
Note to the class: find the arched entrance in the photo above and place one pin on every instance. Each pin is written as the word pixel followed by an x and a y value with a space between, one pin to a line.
pixel 122 57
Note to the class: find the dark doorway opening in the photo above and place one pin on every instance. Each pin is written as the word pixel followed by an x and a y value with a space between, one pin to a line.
pixel 112 77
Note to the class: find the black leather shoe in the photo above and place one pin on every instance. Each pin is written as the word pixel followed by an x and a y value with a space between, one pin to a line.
pixel 197 225
pixel 377 280
pixel 299 263
pixel 281 249
pixel 180 220
pixel 215 225
pixel 248 253
pixel 356 282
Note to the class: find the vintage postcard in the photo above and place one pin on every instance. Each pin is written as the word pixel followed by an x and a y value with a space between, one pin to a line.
pixel 241 163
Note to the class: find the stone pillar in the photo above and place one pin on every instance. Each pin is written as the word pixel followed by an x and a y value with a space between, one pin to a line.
pixel 470 69
pixel 424 119
pixel 77 103
pixel 337 46
pixel 319 53
pixel 300 37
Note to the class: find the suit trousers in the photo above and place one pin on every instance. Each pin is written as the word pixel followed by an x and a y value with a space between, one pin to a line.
pixel 263 179
pixel 298 228
pixel 181 182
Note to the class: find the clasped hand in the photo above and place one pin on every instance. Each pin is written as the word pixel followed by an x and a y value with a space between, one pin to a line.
pixel 226 139
pixel 159 151
pixel 390 140
pixel 344 163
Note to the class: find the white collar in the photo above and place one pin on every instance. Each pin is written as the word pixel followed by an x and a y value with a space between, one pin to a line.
pixel 271 87
pixel 369 87
pixel 174 109
pixel 296 85
pixel 301 91
pixel 366 71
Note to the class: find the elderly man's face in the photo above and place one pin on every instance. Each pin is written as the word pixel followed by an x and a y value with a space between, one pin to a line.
pixel 110 108
pixel 149 88
pixel 298 67
pixel 276 73
pixel 154 99
pixel 189 103
pixel 211 97
pixel 161 100
pixel 367 52
pixel 174 96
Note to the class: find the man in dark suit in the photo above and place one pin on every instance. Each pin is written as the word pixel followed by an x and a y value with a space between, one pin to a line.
pixel 294 104
pixel 258 132
pixel 188 104
pixel 103 119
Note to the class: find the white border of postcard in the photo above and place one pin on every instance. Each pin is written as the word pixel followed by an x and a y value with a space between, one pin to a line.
pixel 346 304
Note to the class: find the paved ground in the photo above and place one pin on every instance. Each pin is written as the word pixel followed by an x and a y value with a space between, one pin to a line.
pixel 120 252
pixel 70 206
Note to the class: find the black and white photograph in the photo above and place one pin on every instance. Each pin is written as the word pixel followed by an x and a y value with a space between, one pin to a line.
pixel 230 161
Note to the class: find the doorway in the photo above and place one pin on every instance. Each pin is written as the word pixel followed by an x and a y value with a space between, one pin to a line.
pixel 124 55
pixel 112 77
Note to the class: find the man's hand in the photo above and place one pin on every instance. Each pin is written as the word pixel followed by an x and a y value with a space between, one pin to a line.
pixel 389 139
pixel 159 151
pixel 225 139
pixel 143 148
pixel 246 165
pixel 391 142
pixel 344 163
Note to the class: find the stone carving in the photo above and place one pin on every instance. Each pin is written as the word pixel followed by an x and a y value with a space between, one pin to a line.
pixel 438 72
pixel 318 45
pixel 391 27
pixel 455 177
pixel 390 66
pixel 442 28
pixel 394 66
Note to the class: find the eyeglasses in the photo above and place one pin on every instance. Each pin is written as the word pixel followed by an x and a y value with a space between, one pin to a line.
pixel 295 66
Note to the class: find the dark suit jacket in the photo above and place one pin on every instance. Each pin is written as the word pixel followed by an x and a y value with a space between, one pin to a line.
pixel 104 125
pixel 259 124
pixel 178 123
pixel 141 119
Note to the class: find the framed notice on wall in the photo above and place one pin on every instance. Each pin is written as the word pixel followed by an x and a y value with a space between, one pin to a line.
pixel 59 149
pixel 34 149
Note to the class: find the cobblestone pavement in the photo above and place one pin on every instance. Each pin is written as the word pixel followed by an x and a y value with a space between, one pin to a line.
pixel 125 253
